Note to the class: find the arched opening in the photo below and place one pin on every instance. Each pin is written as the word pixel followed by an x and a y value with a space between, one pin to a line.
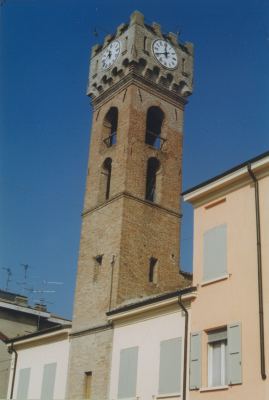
pixel 155 117
pixel 110 127
pixel 105 179
pixel 152 181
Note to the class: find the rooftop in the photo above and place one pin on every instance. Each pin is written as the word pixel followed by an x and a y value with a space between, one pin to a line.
pixel 226 173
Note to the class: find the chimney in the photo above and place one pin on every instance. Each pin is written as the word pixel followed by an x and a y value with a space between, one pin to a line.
pixel 40 307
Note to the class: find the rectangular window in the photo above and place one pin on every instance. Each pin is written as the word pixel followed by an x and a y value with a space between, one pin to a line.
pixel 217 358
pixel 48 381
pixel 215 253
pixel 128 373
pixel 153 270
pixel 88 385
pixel 224 357
pixel 23 384
pixel 170 366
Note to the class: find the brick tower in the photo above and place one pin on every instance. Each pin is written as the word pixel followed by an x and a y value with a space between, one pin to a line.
pixel 139 81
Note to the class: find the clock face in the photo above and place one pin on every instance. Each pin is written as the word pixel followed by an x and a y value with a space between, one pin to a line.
pixel 165 54
pixel 110 54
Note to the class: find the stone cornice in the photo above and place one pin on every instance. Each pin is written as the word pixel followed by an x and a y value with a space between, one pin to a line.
pixel 142 82
pixel 132 197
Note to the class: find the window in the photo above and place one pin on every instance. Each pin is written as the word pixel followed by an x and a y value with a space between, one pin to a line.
pixel 215 253
pixel 99 259
pixel 97 264
pixel 155 118
pixel 152 180
pixel 88 385
pixel 170 366
pixel 128 373
pixel 105 179
pixel 110 127
pixel 48 381
pixel 224 357
pixel 153 270
pixel 217 358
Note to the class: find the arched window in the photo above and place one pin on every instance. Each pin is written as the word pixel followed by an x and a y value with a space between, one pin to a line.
pixel 110 127
pixel 155 118
pixel 152 181
pixel 106 179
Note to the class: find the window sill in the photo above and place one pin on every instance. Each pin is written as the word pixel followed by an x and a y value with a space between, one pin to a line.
pixel 168 396
pixel 220 278
pixel 214 388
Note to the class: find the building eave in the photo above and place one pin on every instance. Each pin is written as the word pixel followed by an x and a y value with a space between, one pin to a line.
pixel 39 335
pixel 234 175
pixel 151 303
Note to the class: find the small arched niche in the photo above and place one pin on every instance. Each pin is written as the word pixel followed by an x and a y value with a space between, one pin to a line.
pixel 153 180
pixel 155 117
pixel 105 179
pixel 110 126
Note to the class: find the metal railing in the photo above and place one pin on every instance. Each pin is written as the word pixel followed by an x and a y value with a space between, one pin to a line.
pixel 155 140
pixel 111 139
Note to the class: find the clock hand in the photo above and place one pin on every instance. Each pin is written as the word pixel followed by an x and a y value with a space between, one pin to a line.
pixel 166 50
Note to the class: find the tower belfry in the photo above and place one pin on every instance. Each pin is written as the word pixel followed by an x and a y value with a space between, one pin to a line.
pixel 139 82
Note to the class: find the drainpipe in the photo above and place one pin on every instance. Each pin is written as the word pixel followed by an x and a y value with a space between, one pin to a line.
pixel 185 347
pixel 12 350
pixel 111 280
pixel 259 261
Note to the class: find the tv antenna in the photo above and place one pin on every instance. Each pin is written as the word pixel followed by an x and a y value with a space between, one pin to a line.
pixel 25 267
pixel 52 283
pixel 9 274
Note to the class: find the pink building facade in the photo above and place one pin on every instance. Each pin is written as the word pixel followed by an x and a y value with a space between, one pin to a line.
pixel 229 342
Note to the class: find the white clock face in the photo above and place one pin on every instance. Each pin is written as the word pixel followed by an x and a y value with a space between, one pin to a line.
pixel 110 54
pixel 165 54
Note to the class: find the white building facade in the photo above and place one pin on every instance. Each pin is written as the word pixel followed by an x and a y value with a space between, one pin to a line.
pixel 148 348
pixel 39 365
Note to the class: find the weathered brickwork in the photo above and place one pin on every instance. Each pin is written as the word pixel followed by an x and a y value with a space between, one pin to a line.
pixel 90 353
pixel 125 230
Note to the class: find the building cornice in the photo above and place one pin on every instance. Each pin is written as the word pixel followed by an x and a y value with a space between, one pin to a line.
pixel 236 176
pixel 150 304
pixel 143 83
pixel 132 197
pixel 38 336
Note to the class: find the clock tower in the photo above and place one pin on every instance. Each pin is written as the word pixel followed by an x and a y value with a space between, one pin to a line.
pixel 139 82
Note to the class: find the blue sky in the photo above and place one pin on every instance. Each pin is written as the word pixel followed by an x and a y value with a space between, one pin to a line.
pixel 45 118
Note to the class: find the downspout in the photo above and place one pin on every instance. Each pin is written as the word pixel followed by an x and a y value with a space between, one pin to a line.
pixel 111 281
pixel 12 350
pixel 259 261
pixel 185 347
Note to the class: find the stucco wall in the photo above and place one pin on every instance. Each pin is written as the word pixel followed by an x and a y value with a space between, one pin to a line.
pixel 36 357
pixel 234 299
pixel 146 332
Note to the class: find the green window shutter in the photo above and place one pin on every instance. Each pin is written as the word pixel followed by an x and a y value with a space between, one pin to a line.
pixel 234 354
pixel 23 384
pixel 170 366
pixel 195 361
pixel 215 253
pixel 128 373
pixel 48 381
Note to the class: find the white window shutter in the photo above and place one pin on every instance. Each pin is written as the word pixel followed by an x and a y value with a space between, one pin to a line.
pixel 215 253
pixel 195 361
pixel 234 354
pixel 128 373
pixel 23 384
pixel 170 366
pixel 48 381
